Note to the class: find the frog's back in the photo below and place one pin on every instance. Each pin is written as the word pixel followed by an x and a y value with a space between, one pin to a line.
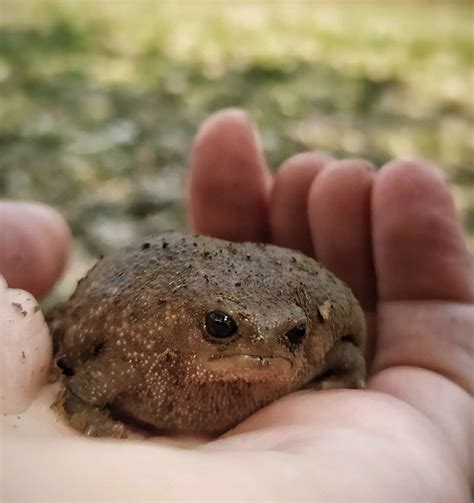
pixel 131 285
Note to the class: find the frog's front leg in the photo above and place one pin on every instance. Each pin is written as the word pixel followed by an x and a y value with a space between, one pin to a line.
pixel 87 395
pixel 343 367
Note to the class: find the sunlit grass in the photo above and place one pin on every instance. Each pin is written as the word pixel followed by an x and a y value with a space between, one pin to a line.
pixel 100 99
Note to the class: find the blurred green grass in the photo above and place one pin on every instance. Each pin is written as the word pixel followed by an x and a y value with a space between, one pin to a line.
pixel 99 100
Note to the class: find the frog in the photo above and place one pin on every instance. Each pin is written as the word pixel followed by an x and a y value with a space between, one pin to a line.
pixel 190 334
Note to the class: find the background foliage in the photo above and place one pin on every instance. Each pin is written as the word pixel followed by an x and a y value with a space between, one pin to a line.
pixel 99 100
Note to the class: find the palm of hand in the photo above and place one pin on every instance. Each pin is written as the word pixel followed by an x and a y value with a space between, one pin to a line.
pixel 404 438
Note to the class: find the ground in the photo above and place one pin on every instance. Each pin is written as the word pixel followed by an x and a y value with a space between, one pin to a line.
pixel 100 100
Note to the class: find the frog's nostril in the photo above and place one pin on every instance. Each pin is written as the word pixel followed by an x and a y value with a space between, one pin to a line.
pixel 296 334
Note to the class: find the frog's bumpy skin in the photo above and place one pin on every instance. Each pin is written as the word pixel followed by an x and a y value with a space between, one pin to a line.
pixel 133 338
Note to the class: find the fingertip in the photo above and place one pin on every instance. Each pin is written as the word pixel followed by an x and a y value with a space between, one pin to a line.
pixel 229 180
pixel 419 247
pixel 26 349
pixel 227 118
pixel 35 246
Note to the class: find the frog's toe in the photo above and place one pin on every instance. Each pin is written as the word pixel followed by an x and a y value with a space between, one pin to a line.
pixel 113 429
pixel 94 422
pixel 90 420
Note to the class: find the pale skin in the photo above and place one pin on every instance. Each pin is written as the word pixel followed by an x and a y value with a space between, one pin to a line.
pixel 393 236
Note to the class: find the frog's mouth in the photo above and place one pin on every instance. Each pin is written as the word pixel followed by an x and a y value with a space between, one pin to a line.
pixel 250 361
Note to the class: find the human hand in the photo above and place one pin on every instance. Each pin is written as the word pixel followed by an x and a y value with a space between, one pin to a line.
pixel 394 238
pixel 404 439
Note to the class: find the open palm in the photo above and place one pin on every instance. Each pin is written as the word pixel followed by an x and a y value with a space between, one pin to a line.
pixel 394 238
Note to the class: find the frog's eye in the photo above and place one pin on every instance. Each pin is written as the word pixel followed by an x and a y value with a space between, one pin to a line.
pixel 296 335
pixel 220 325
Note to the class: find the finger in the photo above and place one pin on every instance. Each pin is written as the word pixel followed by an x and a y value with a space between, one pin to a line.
pixel 26 349
pixel 34 246
pixel 229 180
pixel 288 201
pixel 419 249
pixel 424 348
pixel 339 218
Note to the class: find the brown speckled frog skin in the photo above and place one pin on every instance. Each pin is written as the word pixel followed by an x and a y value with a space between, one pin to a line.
pixel 137 344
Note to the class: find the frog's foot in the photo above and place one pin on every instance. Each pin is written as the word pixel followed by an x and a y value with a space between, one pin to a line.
pixel 343 367
pixel 88 394
pixel 90 420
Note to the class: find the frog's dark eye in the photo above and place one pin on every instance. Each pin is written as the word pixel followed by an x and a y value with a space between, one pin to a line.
pixel 296 335
pixel 220 325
